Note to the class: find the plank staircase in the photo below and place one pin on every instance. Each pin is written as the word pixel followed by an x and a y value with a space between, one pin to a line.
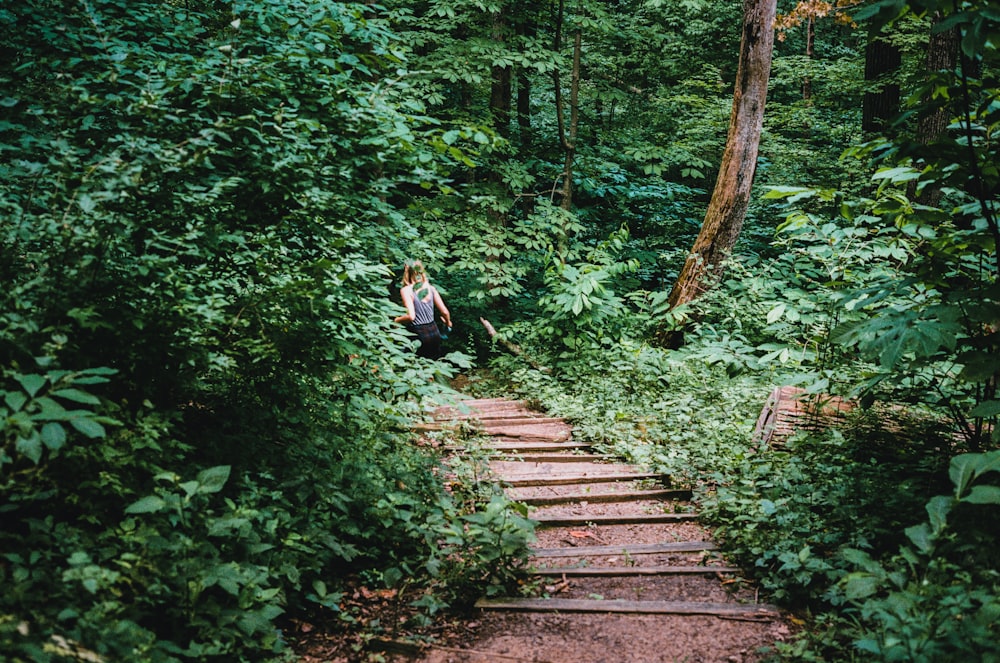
pixel 580 499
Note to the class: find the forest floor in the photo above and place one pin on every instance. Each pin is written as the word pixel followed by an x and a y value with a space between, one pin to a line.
pixel 625 573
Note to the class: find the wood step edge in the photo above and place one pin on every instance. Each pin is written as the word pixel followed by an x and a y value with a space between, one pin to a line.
pixel 518 482
pixel 604 498
pixel 519 446
pixel 592 571
pixel 759 611
pixel 635 519
pixel 562 458
pixel 630 549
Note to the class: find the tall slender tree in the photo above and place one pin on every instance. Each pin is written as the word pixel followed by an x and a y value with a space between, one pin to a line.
pixel 730 198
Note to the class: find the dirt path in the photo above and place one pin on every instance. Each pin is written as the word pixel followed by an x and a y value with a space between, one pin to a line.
pixel 627 573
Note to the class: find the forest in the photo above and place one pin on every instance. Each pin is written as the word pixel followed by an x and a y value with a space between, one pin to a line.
pixel 205 209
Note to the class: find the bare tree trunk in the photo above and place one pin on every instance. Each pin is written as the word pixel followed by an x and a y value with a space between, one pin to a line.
pixel 881 58
pixel 727 208
pixel 569 139
pixel 524 96
pixel 500 88
pixel 810 41
pixel 942 55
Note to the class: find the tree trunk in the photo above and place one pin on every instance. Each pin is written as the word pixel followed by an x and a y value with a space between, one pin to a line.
pixel 569 139
pixel 526 30
pixel 728 206
pixel 500 88
pixel 567 136
pixel 942 55
pixel 810 42
pixel 881 103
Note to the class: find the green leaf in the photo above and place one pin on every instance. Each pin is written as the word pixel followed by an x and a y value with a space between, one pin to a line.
pixel 986 409
pixel 53 435
pixel 213 479
pixel 77 396
pixel 32 383
pixel 88 427
pixel 921 537
pixel 860 585
pixel 961 471
pixel 775 313
pixel 938 509
pixel 148 504
pixel 30 446
pixel 15 400
pixel 983 495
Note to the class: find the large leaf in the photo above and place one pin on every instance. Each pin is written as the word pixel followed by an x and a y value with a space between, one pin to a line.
pixel 148 504
pixel 213 479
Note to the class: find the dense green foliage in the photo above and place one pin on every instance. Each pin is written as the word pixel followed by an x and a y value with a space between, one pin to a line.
pixel 203 398
pixel 205 405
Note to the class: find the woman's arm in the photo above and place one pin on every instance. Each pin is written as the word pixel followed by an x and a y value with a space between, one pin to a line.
pixel 407 295
pixel 439 303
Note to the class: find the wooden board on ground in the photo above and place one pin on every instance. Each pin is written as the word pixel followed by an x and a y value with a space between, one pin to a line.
pixel 747 611
pixel 562 480
pixel 635 519
pixel 641 549
pixel 585 571
pixel 601 498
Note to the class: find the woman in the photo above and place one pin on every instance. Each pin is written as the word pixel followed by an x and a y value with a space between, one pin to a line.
pixel 420 299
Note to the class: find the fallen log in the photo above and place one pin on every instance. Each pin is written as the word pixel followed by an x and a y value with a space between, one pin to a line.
pixel 512 348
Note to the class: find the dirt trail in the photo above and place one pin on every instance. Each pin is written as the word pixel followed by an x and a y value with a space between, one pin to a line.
pixel 628 574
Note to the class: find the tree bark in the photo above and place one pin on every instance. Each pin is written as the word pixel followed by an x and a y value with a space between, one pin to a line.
pixel 810 42
pixel 569 138
pixel 881 103
pixel 526 30
pixel 500 89
pixel 942 55
pixel 731 196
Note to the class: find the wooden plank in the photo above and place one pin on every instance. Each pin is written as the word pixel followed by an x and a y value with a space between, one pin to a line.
pixel 738 610
pixel 604 498
pixel 517 482
pixel 635 549
pixel 591 571
pixel 637 519
pixel 488 417
pixel 522 421
pixel 562 436
pixel 541 444
pixel 515 435
pixel 521 446
pixel 562 458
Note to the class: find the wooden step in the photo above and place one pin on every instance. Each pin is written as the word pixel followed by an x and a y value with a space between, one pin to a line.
pixel 472 402
pixel 561 438
pixel 603 498
pixel 636 519
pixel 735 610
pixel 521 421
pixel 562 458
pixel 517 482
pixel 488 417
pixel 521 446
pixel 615 571
pixel 633 549
pixel 516 435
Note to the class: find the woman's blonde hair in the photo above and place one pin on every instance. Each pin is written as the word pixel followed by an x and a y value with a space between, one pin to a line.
pixel 413 272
